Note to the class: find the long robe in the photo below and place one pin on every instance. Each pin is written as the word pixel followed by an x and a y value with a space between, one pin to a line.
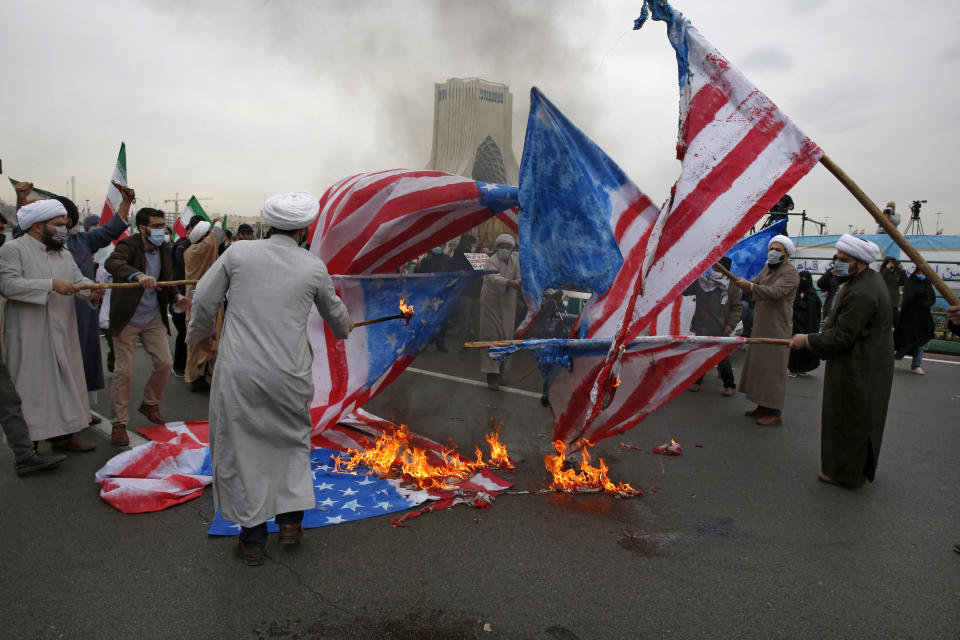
pixel 498 306
pixel 262 385
pixel 764 375
pixel 915 326
pixel 40 342
pixel 857 344
pixel 806 319
pixel 198 258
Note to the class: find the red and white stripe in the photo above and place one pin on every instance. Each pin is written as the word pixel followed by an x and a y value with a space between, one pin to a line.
pixel 375 222
pixel 675 318
pixel 652 371
pixel 341 368
pixel 739 155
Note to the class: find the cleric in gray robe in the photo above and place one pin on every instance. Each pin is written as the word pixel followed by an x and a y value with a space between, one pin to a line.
pixel 262 386
pixel 498 303
pixel 40 344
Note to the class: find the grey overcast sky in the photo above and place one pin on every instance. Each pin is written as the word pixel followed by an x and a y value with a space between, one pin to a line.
pixel 240 99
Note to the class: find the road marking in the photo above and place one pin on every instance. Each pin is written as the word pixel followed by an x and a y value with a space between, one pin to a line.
pixel 475 383
pixel 926 359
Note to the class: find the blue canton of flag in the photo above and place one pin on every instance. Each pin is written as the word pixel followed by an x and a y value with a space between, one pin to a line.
pixel 497 197
pixel 341 497
pixel 750 254
pixel 347 373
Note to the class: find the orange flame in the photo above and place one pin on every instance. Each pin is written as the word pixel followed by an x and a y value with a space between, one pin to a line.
pixel 499 457
pixel 589 478
pixel 406 310
pixel 396 452
pixel 617 383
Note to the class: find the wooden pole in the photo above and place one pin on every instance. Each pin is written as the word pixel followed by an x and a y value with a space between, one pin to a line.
pixel 722 269
pixel 891 230
pixel 507 343
pixel 132 285
pixel 376 320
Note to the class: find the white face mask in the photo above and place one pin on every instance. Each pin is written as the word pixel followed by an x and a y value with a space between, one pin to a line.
pixel 774 256
pixel 503 254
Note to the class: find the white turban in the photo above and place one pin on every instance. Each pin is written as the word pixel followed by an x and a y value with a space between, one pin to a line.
pixel 859 248
pixel 200 230
pixel 39 211
pixel 289 211
pixel 786 242
pixel 505 238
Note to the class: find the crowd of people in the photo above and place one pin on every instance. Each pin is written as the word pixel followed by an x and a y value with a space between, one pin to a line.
pixel 259 419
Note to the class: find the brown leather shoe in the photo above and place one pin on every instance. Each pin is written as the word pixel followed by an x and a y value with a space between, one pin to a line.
pixel 118 435
pixel 291 533
pixel 251 556
pixel 769 421
pixel 74 445
pixel 755 413
pixel 152 412
pixel 728 391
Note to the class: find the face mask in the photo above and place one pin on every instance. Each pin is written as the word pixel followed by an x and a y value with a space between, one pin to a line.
pixel 842 269
pixel 503 254
pixel 156 237
pixel 774 256
pixel 920 276
pixel 716 275
pixel 166 237
pixel 437 251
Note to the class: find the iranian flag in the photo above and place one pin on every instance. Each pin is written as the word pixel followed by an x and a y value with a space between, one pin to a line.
pixel 192 208
pixel 112 203
pixel 35 194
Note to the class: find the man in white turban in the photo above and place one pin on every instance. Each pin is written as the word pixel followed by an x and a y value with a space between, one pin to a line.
pixel 764 375
pixel 40 340
pixel 857 344
pixel 498 303
pixel 263 385
pixel 204 238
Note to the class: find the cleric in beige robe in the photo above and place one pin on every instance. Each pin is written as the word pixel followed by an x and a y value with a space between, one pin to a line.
pixel 262 384
pixel 764 375
pixel 198 258
pixel 498 304
pixel 40 340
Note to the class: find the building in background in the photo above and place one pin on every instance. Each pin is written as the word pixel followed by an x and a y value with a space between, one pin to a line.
pixel 473 137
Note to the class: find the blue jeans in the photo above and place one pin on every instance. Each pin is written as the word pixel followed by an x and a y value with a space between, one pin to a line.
pixel 916 354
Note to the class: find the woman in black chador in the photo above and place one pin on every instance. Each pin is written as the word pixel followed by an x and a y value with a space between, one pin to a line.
pixel 806 319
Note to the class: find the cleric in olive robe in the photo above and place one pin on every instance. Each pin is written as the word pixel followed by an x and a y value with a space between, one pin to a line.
pixel 857 343
pixel 764 374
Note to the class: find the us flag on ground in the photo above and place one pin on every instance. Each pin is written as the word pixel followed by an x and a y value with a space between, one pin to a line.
pixel 375 222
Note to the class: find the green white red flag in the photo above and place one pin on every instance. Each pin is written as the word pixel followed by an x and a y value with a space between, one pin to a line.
pixel 35 194
pixel 112 203
pixel 191 209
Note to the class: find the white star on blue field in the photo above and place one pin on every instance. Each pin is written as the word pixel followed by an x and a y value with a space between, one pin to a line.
pixel 340 497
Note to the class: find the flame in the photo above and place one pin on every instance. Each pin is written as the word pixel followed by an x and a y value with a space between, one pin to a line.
pixel 589 478
pixel 617 383
pixel 499 457
pixel 406 310
pixel 394 453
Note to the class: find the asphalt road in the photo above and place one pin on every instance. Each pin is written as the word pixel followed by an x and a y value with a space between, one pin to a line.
pixel 733 539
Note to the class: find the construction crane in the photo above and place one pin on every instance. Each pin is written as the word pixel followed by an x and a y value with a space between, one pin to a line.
pixel 176 201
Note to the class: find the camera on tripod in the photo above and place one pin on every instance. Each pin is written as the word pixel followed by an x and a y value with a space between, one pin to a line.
pixel 915 209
